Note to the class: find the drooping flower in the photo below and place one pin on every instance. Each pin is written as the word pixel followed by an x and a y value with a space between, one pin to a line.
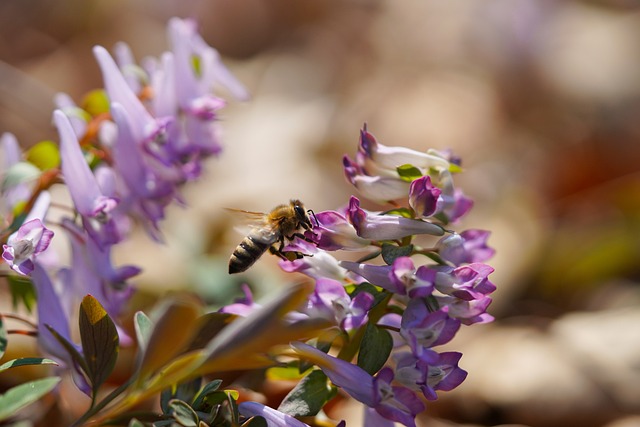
pixel 31 239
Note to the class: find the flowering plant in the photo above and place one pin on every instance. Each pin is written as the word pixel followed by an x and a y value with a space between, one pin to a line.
pixel 370 326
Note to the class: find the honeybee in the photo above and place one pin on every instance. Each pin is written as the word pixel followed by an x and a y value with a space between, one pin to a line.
pixel 284 222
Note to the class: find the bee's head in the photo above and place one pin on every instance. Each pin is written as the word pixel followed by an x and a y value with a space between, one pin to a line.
pixel 298 208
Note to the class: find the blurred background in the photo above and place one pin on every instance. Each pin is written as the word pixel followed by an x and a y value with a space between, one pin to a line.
pixel 540 98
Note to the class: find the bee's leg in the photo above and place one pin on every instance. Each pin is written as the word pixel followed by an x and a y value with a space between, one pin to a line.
pixel 287 256
pixel 278 252
pixel 301 236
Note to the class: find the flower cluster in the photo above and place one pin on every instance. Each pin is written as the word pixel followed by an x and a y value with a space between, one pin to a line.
pixel 373 326
pixel 418 305
pixel 124 156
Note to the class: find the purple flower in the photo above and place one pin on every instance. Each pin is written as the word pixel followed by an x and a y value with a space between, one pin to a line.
pixel 377 188
pixel 400 278
pixel 468 312
pixel 330 300
pixel 242 306
pixel 458 205
pixel 87 196
pixel 392 402
pixel 467 282
pixel 334 232
pixel 387 227
pixel 148 193
pixel 424 196
pixel 92 273
pixel 31 239
pixel 442 373
pixel 274 418
pixel 424 329
pixel 467 247
pixel 319 264
pixel 12 194
pixel 371 152
pixel 51 312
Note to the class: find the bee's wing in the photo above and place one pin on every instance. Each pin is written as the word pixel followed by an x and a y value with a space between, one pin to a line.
pixel 254 224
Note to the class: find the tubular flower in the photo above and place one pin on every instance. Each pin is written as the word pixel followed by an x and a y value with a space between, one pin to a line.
pixel 424 197
pixel 333 232
pixel 424 329
pixel 467 282
pixel 401 278
pixel 378 188
pixel 273 417
pixel 330 300
pixel 371 152
pixel 387 227
pixel 467 247
pixel 94 207
pixel 441 373
pixel 31 239
pixel 391 402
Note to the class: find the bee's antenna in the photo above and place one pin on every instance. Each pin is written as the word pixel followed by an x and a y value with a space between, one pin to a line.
pixel 309 211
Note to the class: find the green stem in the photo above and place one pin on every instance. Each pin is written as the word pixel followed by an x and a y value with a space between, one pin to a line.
pixel 104 402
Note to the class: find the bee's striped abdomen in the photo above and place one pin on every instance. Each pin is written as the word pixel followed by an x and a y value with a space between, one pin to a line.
pixel 247 252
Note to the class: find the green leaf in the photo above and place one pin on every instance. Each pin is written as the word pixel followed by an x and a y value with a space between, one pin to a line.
pixel 379 295
pixel 403 212
pixel 70 348
pixel 25 361
pixel 408 172
pixel 22 292
pixel 391 252
pixel 284 373
pixel 143 327
pixel 375 349
pixel 20 173
pixel 134 422
pixel 232 397
pixel 45 155
pixel 20 396
pixel 182 413
pixel 3 337
pixel 309 396
pixel 184 391
pixel 99 341
pixel 208 389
